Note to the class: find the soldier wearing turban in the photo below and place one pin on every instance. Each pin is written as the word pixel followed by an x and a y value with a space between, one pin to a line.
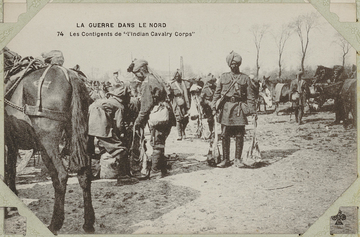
pixel 180 101
pixel 237 95
pixel 153 92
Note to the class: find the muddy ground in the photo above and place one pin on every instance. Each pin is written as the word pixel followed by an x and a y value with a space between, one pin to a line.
pixel 304 170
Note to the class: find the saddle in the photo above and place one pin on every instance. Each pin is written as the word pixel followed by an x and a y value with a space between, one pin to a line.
pixel 16 75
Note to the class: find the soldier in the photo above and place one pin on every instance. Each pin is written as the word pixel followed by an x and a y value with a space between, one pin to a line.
pixel 153 93
pixel 206 97
pixel 108 122
pixel 234 99
pixel 180 103
pixel 298 93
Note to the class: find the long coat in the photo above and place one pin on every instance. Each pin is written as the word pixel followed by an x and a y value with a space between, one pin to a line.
pixel 239 101
pixel 153 91
pixel 107 116
pixel 180 99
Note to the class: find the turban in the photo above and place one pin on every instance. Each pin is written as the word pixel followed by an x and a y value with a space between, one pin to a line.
pixel 178 72
pixel 138 64
pixel 54 57
pixel 233 57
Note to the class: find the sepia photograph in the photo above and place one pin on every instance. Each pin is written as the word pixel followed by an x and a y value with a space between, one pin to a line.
pixel 179 119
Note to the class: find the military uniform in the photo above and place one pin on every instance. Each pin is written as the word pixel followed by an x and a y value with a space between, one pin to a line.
pixel 206 97
pixel 153 92
pixel 108 122
pixel 238 103
pixel 298 94
pixel 181 104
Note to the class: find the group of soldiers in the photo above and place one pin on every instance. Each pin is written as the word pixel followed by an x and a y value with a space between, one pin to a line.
pixel 118 117
pixel 117 121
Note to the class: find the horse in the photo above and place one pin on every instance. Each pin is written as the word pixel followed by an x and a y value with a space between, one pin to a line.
pixel 323 74
pixel 347 103
pixel 327 83
pixel 55 102
pixel 280 92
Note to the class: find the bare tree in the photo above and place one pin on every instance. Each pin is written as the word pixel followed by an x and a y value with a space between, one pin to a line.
pixel 302 26
pixel 344 45
pixel 258 32
pixel 280 40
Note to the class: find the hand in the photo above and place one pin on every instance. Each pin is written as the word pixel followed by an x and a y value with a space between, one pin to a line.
pixel 213 111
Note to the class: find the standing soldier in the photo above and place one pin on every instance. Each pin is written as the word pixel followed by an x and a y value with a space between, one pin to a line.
pixel 206 97
pixel 153 93
pixel 234 99
pixel 298 90
pixel 180 103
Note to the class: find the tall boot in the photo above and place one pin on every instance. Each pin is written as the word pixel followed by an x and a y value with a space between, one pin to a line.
pixel 124 177
pixel 179 129
pixel 158 163
pixel 226 153
pixel 239 145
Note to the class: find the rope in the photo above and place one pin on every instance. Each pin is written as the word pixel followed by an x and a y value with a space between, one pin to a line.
pixel 9 103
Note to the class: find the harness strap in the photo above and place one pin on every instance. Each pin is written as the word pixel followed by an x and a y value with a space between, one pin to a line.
pixel 41 81
pixel 65 72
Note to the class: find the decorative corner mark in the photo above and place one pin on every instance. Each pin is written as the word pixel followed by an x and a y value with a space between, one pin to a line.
pixel 345 221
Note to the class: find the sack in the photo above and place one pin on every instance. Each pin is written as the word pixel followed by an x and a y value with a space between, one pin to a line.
pixel 108 167
pixel 295 96
pixel 193 111
pixel 159 115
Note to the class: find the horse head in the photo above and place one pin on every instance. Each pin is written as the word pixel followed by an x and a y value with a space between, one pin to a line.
pixel 80 74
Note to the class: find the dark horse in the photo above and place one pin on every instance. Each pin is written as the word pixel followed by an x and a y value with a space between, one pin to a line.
pixel 280 92
pixel 322 74
pixel 56 102
pixel 347 103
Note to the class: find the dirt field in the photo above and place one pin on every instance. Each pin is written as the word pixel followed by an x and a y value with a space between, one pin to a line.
pixel 305 169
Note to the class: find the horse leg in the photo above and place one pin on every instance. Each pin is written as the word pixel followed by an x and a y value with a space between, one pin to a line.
pixel 11 155
pixel 50 134
pixel 84 177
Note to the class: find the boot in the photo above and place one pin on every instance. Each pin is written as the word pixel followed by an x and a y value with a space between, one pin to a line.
pixel 124 177
pixel 238 151
pixel 226 153
pixel 179 129
pixel 158 166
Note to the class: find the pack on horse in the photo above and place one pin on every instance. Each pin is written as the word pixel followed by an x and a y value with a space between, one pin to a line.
pixel 327 83
pixel 280 92
pixel 53 101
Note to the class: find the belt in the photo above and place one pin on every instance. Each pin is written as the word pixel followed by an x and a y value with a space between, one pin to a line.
pixel 233 99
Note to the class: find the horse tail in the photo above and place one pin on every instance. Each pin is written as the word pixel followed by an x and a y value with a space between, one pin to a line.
pixel 79 124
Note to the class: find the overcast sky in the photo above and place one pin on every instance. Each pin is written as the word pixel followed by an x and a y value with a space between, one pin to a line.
pixel 219 28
